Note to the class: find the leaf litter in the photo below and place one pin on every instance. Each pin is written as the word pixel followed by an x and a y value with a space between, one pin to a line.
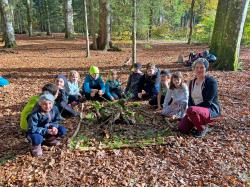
pixel 222 158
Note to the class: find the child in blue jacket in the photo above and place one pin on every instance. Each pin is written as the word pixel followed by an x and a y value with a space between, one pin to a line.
pixel 93 86
pixel 43 124
pixel 113 86
pixel 75 96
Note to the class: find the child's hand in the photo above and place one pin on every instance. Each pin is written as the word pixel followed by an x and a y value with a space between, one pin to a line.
pixel 94 90
pixel 100 92
pixel 159 112
pixel 74 103
pixel 112 98
pixel 174 117
pixel 159 108
pixel 92 94
pixel 54 130
pixel 50 131
pixel 139 95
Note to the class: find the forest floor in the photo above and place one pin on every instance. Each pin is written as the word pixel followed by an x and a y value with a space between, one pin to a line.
pixel 220 158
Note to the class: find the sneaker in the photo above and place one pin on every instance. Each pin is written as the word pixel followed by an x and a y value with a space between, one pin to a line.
pixel 52 141
pixel 37 150
pixel 201 134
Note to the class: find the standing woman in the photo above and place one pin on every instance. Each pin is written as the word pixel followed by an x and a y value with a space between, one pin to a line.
pixel 203 103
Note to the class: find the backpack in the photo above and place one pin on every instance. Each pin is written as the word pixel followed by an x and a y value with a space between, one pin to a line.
pixel 26 111
pixel 191 58
pixel 194 56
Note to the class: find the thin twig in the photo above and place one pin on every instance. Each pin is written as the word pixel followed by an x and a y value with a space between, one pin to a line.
pixel 231 96
pixel 79 124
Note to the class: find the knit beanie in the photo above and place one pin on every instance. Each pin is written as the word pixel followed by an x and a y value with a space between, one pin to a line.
pixel 165 72
pixel 63 77
pixel 93 70
pixel 137 66
pixel 202 61
pixel 46 96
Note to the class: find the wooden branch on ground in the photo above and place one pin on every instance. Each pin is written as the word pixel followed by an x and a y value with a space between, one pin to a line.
pixel 230 96
pixel 146 114
pixel 79 123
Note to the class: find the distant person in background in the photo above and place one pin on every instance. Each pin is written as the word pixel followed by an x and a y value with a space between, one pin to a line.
pixel 178 93
pixel 113 86
pixel 134 84
pixel 93 86
pixel 151 83
pixel 203 101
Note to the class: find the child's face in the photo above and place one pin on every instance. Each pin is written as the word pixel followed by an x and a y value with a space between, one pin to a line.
pixel 177 82
pixel 150 71
pixel 95 76
pixel 165 79
pixel 60 83
pixel 46 106
pixel 74 78
pixel 114 76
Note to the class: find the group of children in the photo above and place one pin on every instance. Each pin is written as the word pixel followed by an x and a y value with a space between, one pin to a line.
pixel 41 116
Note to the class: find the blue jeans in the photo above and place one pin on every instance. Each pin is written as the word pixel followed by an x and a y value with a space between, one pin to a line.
pixel 37 139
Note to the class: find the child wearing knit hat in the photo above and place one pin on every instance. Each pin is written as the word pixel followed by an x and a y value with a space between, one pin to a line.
pixel 93 86
pixel 62 101
pixel 32 102
pixel 43 124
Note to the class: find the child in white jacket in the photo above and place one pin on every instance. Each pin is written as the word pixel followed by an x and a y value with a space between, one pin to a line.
pixel 176 99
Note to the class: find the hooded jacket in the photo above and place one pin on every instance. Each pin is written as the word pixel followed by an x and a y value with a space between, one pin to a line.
pixel 39 123
pixel 209 95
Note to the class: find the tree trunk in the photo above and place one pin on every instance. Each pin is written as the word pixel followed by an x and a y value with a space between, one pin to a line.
pixel 92 24
pixel 150 20
pixel 20 22
pixel 69 22
pixel 41 10
pixel 29 16
pixel 2 25
pixel 103 40
pixel 87 29
pixel 46 6
pixel 191 22
pixel 134 33
pixel 161 17
pixel 227 34
pixel 9 35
